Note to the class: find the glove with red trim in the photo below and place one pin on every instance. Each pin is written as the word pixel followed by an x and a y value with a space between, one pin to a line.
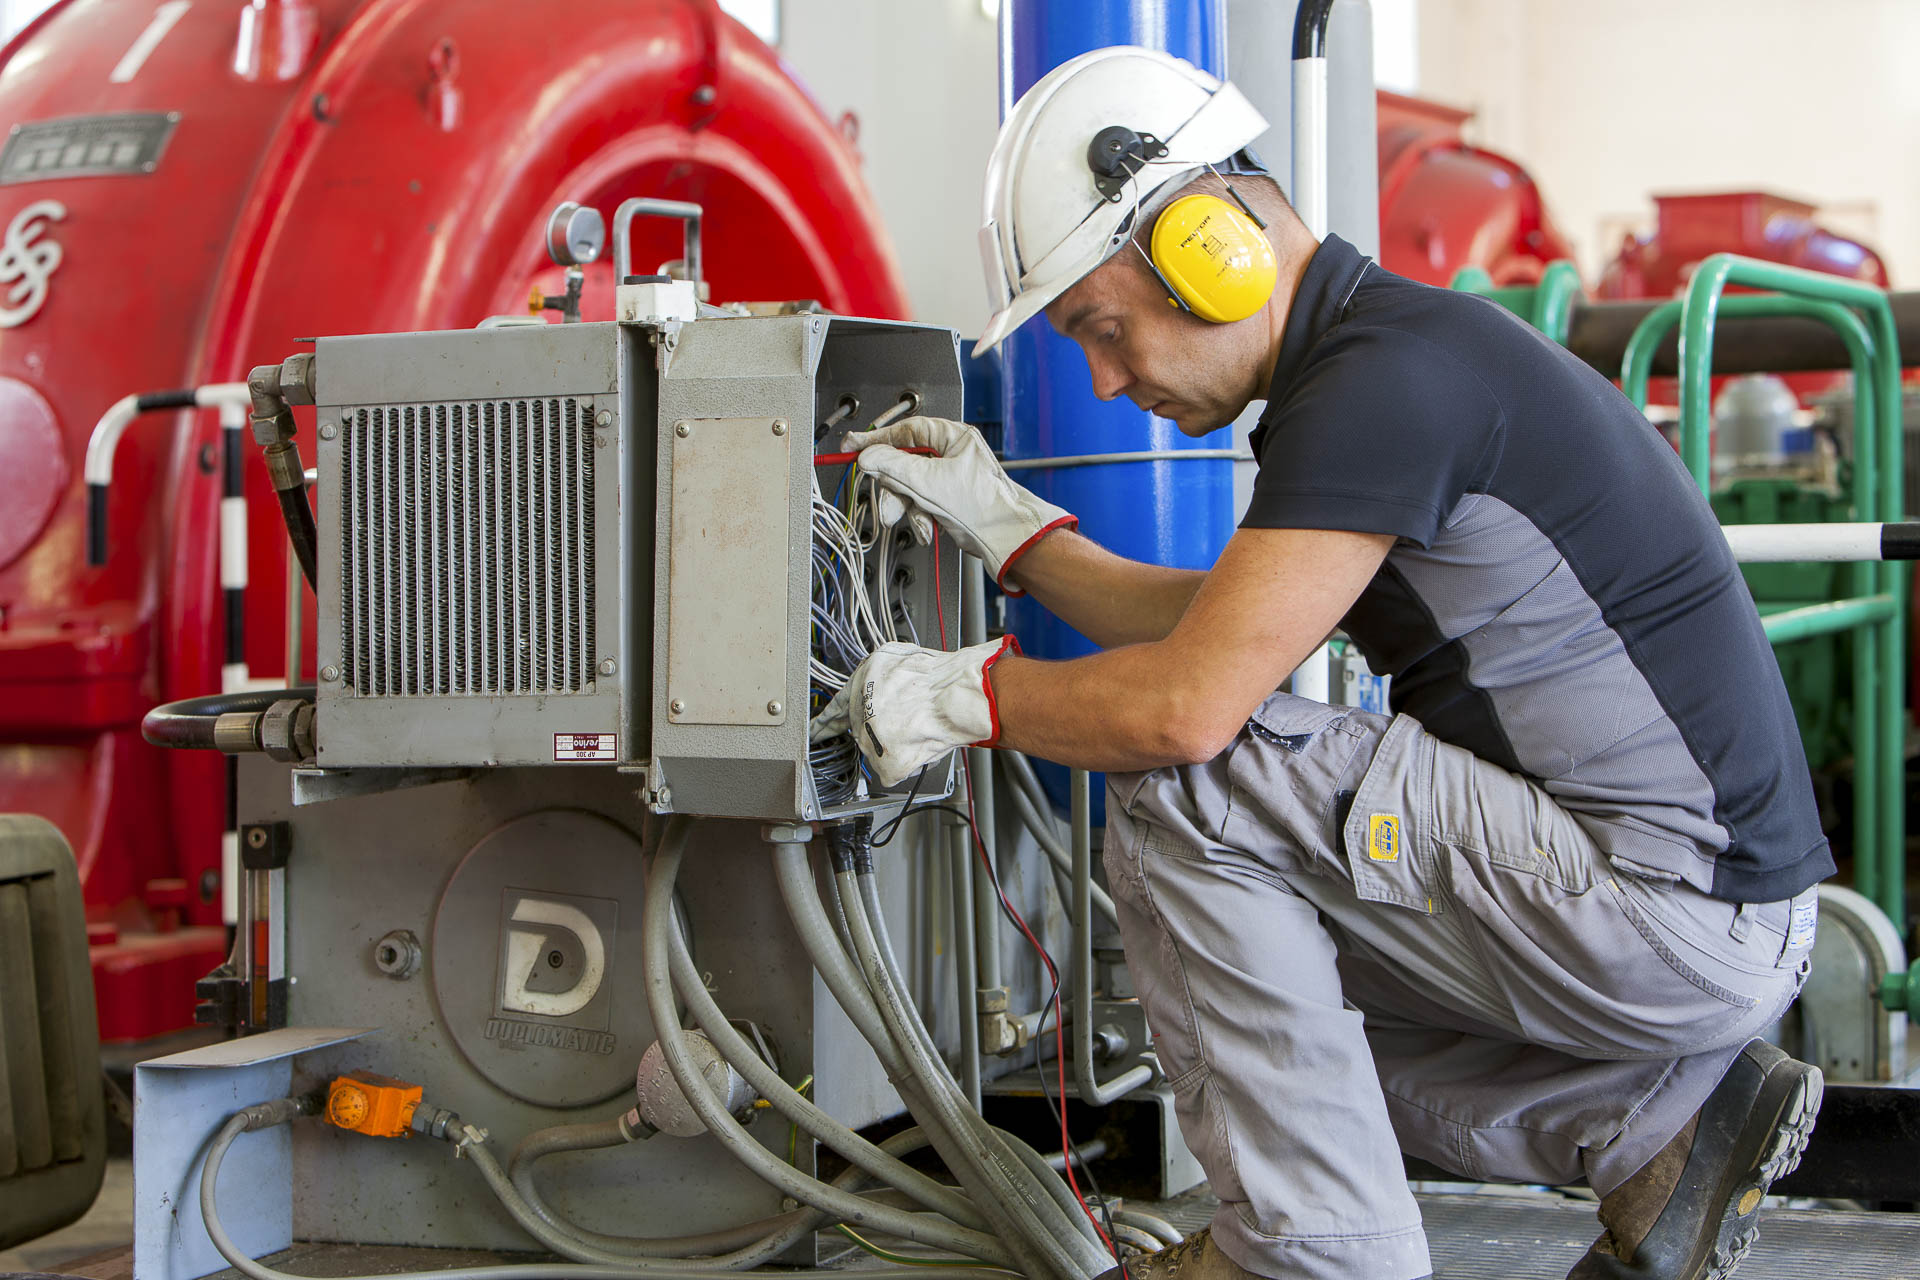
pixel 964 488
pixel 907 706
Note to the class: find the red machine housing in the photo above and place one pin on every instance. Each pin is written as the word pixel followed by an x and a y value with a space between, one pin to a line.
pixel 337 166
pixel 1446 204
pixel 1755 224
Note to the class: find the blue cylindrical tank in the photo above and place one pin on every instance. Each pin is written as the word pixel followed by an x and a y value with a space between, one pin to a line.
pixel 1176 512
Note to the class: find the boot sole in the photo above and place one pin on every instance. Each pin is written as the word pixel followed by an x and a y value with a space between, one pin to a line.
pixel 1752 1133
pixel 1792 1092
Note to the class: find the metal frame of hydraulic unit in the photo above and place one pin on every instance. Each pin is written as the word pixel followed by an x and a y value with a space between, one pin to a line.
pixel 663 473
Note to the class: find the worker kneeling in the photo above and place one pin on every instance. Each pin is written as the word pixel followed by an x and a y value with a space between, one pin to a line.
pixel 1528 927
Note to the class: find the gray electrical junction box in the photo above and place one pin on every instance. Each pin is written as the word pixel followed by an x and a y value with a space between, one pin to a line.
pixel 591 544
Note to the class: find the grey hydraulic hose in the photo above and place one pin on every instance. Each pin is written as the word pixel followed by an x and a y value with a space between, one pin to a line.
pixel 541 1143
pixel 265 1115
pixel 1067 1253
pixel 978 1166
pixel 788 1102
pixel 472 1145
pixel 1074 1216
pixel 1157 1227
pixel 795 875
pixel 920 1228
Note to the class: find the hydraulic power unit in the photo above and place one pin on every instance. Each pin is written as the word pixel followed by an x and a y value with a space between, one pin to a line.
pixel 581 588
pixel 592 543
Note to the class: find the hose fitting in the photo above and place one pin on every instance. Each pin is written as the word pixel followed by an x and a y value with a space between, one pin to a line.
pixel 265 1115
pixel 430 1121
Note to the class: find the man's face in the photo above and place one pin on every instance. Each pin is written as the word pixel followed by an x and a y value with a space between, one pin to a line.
pixel 1165 360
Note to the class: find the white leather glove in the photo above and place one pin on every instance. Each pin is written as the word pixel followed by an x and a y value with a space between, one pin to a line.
pixel 965 489
pixel 907 706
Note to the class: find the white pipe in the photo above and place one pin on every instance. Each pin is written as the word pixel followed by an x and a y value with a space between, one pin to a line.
pixel 106 438
pixel 1773 543
pixel 1313 678
pixel 113 424
pixel 1309 192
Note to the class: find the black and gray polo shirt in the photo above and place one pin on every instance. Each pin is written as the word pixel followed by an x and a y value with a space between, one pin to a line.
pixel 1560 601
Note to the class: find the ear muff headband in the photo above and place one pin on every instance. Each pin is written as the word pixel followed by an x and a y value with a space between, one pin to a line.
pixel 1213 257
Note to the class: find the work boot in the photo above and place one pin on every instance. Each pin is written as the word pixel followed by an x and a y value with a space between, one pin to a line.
pixel 1693 1211
pixel 1195 1258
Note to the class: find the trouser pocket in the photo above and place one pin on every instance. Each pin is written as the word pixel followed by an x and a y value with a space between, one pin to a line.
pixel 1285 774
pixel 1387 836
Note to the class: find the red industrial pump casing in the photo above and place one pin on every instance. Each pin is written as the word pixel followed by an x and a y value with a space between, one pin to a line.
pixel 1755 224
pixel 323 166
pixel 1446 204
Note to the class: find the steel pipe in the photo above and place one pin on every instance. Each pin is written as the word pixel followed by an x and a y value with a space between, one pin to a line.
pixel 1598 333
pixel 1791 543
pixel 1093 1091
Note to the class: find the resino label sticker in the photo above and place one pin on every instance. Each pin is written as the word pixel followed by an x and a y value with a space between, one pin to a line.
pixel 583 746
pixel 1383 838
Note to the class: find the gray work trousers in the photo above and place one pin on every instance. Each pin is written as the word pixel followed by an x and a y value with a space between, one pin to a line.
pixel 1352 939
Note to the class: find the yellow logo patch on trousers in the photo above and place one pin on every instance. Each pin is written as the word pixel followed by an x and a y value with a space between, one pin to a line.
pixel 1383 837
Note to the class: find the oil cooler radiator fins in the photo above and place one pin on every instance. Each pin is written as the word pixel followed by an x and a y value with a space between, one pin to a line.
pixel 466 548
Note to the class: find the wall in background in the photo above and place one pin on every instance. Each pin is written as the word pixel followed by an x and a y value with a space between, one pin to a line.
pixel 919 76
pixel 1609 103
pixel 15 14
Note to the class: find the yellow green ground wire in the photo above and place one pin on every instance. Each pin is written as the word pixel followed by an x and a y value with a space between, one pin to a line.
pixel 901 1259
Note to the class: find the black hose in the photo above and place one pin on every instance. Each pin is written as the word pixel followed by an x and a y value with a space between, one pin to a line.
pixel 96 525
pixel 1310 29
pixel 188 723
pixel 303 533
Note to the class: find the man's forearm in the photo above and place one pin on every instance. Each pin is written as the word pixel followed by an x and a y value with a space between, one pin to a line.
pixel 1107 598
pixel 1126 709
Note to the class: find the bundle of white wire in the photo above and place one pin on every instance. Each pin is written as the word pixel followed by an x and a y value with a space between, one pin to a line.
pixel 855 610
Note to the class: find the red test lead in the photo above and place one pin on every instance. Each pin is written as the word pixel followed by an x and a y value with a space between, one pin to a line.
pixel 843 459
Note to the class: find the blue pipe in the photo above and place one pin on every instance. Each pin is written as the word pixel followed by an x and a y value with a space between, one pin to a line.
pixel 1177 513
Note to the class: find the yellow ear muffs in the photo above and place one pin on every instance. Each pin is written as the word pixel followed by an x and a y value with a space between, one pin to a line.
pixel 1214 258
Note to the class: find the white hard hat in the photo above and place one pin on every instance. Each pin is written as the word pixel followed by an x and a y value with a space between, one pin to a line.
pixel 1050 217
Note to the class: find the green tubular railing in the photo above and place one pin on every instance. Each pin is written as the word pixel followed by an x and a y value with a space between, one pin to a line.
pixel 1472 280
pixel 1547 306
pixel 1825 619
pixel 1553 300
pixel 1877 612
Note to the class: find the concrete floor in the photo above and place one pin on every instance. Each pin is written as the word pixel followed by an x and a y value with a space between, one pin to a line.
pixel 108 1225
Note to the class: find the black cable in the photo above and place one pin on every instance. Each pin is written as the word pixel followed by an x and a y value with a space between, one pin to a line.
pixel 886 833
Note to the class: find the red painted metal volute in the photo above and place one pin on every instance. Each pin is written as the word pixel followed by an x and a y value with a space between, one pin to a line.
pixel 1446 204
pixel 329 166
pixel 1756 224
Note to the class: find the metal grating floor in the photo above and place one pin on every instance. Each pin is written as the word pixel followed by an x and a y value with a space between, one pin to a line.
pixel 1537 1237
pixel 1472 1237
